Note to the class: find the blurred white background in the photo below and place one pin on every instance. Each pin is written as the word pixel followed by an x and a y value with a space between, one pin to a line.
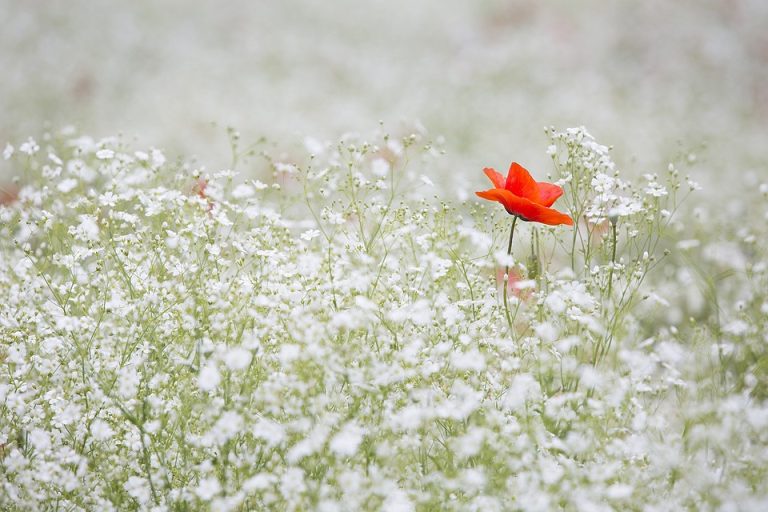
pixel 654 78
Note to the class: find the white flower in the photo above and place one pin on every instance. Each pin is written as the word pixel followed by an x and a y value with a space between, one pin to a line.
pixel 473 478
pixel 30 147
pixel 108 199
pixel 397 501
pixel 40 439
pixel 269 431
pixel 209 377
pixel 226 427
pixel 237 358
pixel 292 483
pixel 208 488
pixel 685 245
pixel 546 331
pixel 310 234
pixel 259 482
pixel 128 382
pixel 289 352
pixel 655 189
pixel 242 191
pixel 736 328
pixel 286 168
pixel 470 443
pixel 88 229
pixel 523 388
pixel 347 440
pixel 395 147
pixel 67 185
pixel 8 151
pixel 101 431
pixel 471 360
pixel 619 491
pixel 138 488
pixel 158 158
pixel 152 427
pixel 380 167
pixel 555 302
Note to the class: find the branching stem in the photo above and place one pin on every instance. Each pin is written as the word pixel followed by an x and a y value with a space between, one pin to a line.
pixel 613 258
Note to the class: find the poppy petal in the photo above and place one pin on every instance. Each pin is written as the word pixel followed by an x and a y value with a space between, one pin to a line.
pixel 520 183
pixel 549 193
pixel 525 208
pixel 496 177
pixel 551 217
pixel 494 194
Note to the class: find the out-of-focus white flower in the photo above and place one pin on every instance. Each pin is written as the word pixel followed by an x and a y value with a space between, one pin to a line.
pixel 208 488
pixel 237 358
pixel 29 147
pixel 67 185
pixel 242 191
pixel 101 431
pixel 209 378
pixel 310 234
pixel 347 440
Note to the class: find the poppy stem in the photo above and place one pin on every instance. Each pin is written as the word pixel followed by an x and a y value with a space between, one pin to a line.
pixel 506 275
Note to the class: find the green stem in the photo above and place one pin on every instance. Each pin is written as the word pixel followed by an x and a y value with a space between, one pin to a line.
pixel 506 276
pixel 613 258
pixel 602 349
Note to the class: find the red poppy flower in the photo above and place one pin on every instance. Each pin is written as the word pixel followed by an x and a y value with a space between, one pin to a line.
pixel 525 197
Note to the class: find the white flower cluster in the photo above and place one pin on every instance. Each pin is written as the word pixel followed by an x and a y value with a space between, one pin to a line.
pixel 320 336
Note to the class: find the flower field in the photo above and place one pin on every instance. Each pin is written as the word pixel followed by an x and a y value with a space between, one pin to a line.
pixel 362 320
pixel 331 337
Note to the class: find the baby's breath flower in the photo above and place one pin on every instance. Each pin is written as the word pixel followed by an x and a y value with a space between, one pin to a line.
pixel 175 338
pixel 29 147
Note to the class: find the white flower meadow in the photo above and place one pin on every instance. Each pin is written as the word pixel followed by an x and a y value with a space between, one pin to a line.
pixel 331 337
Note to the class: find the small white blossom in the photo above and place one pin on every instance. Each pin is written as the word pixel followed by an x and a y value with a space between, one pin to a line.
pixel 67 185
pixel 380 167
pixel 158 158
pixel 237 358
pixel 243 191
pixel 88 229
pixel 40 439
pixel 101 431
pixel 347 440
pixel 310 234
pixel 208 488
pixel 209 378
pixel 30 147
pixel 397 501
